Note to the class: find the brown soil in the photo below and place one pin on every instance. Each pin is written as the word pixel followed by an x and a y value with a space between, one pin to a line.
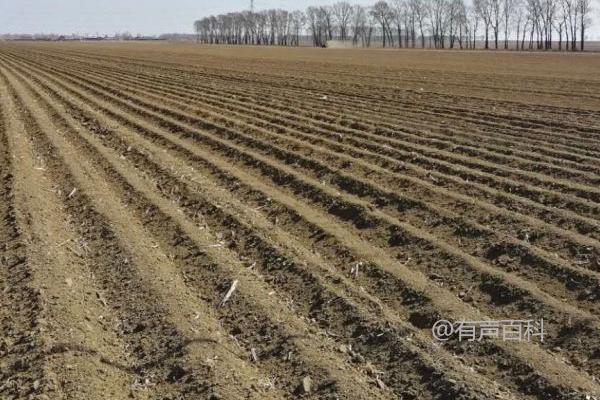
pixel 353 196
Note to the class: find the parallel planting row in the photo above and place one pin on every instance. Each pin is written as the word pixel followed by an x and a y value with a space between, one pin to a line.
pixel 344 215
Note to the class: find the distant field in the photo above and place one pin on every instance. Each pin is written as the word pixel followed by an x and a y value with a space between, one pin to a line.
pixel 181 222
pixel 590 45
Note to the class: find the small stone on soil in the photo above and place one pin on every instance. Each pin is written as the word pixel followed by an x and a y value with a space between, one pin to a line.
pixel 306 384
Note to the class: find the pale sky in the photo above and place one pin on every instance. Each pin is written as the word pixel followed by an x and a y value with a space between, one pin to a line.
pixel 147 17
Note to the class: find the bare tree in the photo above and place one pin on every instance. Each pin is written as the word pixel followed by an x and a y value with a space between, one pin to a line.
pixel 472 23
pixel 528 22
pixel 483 8
pixel 342 12
pixel 198 29
pixel 444 23
pixel 316 21
pixel 496 17
pixel 383 14
pixel 419 10
pixel 298 20
pixel 327 15
pixel 559 27
pixel 585 9
pixel 358 24
pixel 507 14
pixel 519 19
pixel 463 24
pixel 548 8
pixel 439 20
pixel 370 27
pixel 399 16
pixel 572 10
pixel 456 18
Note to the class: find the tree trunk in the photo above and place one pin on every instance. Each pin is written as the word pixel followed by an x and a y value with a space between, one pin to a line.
pixel 560 39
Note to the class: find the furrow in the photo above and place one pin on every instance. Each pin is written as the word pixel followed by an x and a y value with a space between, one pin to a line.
pixel 506 253
pixel 167 358
pixel 270 257
pixel 581 225
pixel 22 365
pixel 308 189
pixel 333 111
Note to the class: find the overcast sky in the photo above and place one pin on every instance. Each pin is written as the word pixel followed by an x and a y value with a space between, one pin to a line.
pixel 147 17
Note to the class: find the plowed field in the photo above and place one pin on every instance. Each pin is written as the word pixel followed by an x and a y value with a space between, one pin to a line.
pixel 188 222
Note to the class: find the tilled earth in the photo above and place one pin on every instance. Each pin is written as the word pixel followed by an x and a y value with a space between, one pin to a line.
pixel 344 200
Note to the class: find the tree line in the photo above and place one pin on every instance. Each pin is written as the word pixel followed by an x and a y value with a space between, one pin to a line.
pixel 499 24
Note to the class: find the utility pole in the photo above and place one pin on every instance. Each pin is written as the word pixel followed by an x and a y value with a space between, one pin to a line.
pixel 252 6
